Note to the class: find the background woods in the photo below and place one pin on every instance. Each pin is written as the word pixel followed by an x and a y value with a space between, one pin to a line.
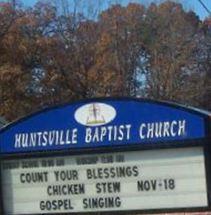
pixel 61 51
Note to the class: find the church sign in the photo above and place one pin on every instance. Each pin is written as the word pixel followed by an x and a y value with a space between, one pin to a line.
pixel 102 124
pixel 106 155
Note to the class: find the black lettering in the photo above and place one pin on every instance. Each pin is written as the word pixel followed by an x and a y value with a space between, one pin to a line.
pixel 153 184
pixel 100 173
pixel 106 173
pixel 30 164
pixel 135 171
pixel 86 160
pixel 112 172
pixel 54 205
pixel 11 165
pixel 101 202
pixel 116 186
pixel 22 178
pixel 60 204
pixel 56 173
pixel 98 188
pixel 34 177
pixel 140 185
pixel 89 174
pixel 66 175
pixel 169 184
pixel 85 203
pixel 42 205
pixel 66 189
pixel 147 185
pixel 108 187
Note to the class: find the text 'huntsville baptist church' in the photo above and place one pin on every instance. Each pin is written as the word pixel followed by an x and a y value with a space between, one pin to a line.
pixel 111 133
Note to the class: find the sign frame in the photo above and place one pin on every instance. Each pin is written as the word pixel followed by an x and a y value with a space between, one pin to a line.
pixel 203 142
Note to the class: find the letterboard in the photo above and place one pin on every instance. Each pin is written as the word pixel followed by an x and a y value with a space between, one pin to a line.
pixel 119 181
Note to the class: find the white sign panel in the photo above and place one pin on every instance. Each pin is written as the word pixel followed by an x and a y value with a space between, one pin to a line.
pixel 139 180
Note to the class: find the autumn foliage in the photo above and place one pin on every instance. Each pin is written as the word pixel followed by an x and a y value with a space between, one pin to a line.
pixel 51 55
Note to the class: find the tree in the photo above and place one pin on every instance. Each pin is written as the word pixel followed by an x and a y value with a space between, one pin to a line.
pixel 50 55
pixel 119 51
pixel 21 68
pixel 172 73
pixel 205 56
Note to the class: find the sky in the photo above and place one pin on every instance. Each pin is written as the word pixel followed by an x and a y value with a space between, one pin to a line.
pixel 188 4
